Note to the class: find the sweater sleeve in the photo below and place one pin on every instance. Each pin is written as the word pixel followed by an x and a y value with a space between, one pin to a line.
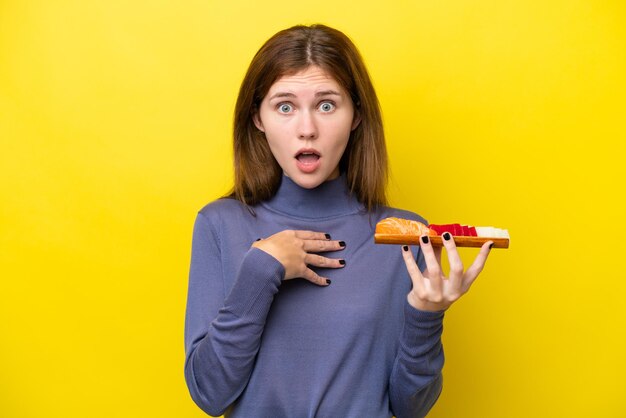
pixel 416 380
pixel 223 331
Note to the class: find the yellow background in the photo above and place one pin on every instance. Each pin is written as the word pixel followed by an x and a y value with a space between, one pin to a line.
pixel 115 122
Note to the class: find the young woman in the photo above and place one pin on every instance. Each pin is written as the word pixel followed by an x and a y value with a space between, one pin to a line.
pixel 292 310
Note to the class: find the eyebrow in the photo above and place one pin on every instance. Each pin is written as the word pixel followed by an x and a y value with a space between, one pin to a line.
pixel 281 94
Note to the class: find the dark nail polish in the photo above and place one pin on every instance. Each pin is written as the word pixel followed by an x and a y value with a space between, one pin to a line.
pixel 258 239
pixel 446 236
pixel 405 248
pixel 342 262
pixel 490 245
pixel 425 239
pixel 342 244
pixel 327 236
pixel 327 281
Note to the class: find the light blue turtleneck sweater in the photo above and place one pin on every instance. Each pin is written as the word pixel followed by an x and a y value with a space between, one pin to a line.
pixel 260 347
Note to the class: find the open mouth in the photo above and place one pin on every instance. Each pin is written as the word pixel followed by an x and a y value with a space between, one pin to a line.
pixel 308 157
pixel 308 160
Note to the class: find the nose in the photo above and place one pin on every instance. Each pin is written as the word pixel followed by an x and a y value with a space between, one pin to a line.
pixel 307 127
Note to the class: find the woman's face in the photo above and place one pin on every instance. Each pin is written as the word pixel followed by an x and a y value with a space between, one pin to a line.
pixel 307 119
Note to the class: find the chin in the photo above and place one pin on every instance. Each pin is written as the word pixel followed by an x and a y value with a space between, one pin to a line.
pixel 308 181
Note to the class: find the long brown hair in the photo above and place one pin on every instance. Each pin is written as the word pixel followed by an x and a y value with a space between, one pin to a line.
pixel 257 174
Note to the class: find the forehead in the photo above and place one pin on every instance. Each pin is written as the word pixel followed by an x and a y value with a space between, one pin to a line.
pixel 311 77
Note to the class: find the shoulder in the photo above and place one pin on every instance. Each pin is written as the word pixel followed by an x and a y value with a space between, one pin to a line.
pixel 223 210
pixel 388 212
pixel 221 206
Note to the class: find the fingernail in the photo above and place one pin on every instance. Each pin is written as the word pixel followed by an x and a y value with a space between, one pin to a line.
pixel 342 244
pixel 425 239
pixel 327 236
pixel 490 245
pixel 327 281
pixel 258 239
pixel 446 236
pixel 405 248
pixel 342 262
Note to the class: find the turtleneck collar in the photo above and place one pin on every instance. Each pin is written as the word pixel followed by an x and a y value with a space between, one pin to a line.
pixel 329 199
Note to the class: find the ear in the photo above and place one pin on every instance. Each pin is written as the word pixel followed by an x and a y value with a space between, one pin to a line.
pixel 257 121
pixel 356 120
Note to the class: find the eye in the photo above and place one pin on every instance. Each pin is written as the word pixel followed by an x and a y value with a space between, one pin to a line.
pixel 327 107
pixel 285 108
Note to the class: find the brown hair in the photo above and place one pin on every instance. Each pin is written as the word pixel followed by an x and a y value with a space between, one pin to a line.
pixel 257 174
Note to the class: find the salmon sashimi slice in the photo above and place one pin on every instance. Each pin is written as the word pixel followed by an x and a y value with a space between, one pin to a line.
pixel 395 226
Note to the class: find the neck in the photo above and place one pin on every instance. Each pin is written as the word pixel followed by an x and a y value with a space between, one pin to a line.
pixel 329 199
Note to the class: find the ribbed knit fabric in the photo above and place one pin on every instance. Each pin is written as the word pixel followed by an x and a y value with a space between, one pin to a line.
pixel 258 346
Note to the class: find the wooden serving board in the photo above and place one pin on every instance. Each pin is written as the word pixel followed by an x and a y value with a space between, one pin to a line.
pixel 460 241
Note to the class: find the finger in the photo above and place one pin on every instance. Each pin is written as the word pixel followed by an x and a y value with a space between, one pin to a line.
pixel 319 261
pixel 438 250
pixel 456 265
pixel 432 266
pixel 477 266
pixel 312 235
pixel 414 271
pixel 320 246
pixel 315 278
